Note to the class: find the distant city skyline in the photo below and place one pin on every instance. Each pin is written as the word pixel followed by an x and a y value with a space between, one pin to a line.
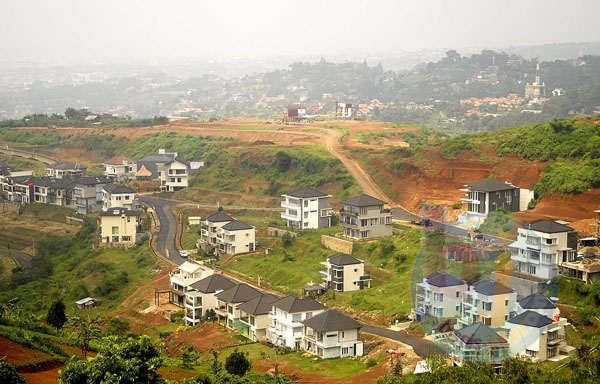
pixel 142 31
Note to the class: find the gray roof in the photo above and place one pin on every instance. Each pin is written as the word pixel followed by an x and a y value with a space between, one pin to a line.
pixel 490 185
pixel 5 169
pixel 343 259
pixel 67 165
pixel 536 301
pixel 117 189
pixel 491 288
pixel 292 304
pixel 236 225
pixel 119 212
pixel 363 201
pixel 440 279
pixel 306 192
pixel 150 163
pixel 238 294
pixel 332 320
pixel 219 217
pixel 549 226
pixel 531 319
pixel 93 180
pixel 479 333
pixel 180 160
pixel 260 305
pixel 213 283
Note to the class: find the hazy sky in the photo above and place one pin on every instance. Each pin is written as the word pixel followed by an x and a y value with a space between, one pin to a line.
pixel 128 30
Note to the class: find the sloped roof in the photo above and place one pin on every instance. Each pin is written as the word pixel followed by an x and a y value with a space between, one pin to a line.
pixel 236 225
pixel 157 158
pixel 260 305
pixel 363 201
pixel 439 279
pixel 66 165
pixel 479 333
pixel 531 319
pixel 491 288
pixel 238 294
pixel 332 320
pixel 119 212
pixel 536 301
pixel 490 185
pixel 118 160
pixel 190 267
pixel 213 283
pixel 292 304
pixel 143 172
pixel 180 160
pixel 93 180
pixel 343 259
pixel 306 192
pixel 117 189
pixel 549 226
pixel 219 217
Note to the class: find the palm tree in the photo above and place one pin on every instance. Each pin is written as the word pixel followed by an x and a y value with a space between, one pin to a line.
pixel 86 329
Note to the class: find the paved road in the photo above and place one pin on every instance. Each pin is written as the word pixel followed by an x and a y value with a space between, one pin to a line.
pixel 168 227
pixel 422 347
pixel 23 259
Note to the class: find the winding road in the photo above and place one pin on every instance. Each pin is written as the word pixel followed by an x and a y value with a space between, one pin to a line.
pixel 168 227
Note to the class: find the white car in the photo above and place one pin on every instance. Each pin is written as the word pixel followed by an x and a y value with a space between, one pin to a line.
pixel 183 254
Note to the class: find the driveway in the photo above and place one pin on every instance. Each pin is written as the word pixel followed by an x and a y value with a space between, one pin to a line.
pixel 422 347
pixel 168 227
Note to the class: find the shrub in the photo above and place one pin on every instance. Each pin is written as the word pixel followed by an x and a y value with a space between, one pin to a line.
pixel 237 363
pixel 371 363
pixel 456 205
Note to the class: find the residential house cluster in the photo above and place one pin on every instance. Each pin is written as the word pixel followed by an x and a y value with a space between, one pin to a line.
pixel 226 235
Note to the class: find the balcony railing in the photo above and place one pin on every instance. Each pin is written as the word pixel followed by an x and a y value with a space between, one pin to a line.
pixel 556 340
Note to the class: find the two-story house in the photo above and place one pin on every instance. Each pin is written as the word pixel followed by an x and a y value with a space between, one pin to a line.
pixel 487 302
pixel 332 334
pixel 65 168
pixel 439 295
pixel 119 227
pixel 345 273
pixel 478 343
pixel 363 217
pixel 119 167
pixel 118 196
pixel 201 296
pixel 287 315
pixel 255 316
pixel 183 277
pixel 172 171
pixel 54 191
pixel 236 237
pixel 211 228
pixel 306 208
pixel 541 246
pixel 538 303
pixel 88 194
pixel 229 300
pixel 487 195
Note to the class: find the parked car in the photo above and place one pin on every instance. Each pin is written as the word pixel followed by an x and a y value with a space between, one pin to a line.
pixel 183 254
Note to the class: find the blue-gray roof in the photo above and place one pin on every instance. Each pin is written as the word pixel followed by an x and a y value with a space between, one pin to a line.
pixel 440 279
pixel 531 319
pixel 536 301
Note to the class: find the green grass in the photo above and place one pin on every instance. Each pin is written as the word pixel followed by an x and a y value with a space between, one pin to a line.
pixel 342 368
pixel 188 239
pixel 17 238
pixel 7 264
pixel 16 162
pixel 47 212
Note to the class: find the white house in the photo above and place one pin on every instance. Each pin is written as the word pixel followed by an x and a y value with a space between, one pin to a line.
pixel 181 279
pixel 229 300
pixel 211 228
pixel 332 334
pixel 287 315
pixel 118 167
pixel 174 174
pixel 201 296
pixel 439 295
pixel 118 227
pixel 541 246
pixel 254 317
pixel 236 237
pixel 487 302
pixel 65 168
pixel 538 303
pixel 345 273
pixel 118 196
pixel 87 194
pixel 306 208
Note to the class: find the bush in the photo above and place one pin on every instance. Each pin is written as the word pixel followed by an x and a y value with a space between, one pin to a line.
pixel 371 363
pixel 585 315
pixel 456 205
pixel 237 363
pixel 9 374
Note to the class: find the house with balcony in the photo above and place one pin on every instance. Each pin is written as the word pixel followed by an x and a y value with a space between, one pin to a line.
pixel 332 334
pixel 119 227
pixel 119 167
pixel 439 295
pixel 236 237
pixel 345 273
pixel 183 277
pixel 538 303
pixel 287 315
pixel 478 343
pixel 363 217
pixel 538 337
pixel 487 195
pixel 211 227
pixel 306 208
pixel 228 303
pixel 254 316
pixel 538 251
pixel 201 296
pixel 118 196
pixel 65 168
pixel 586 269
pixel 487 302
pixel 54 191
pixel 172 171
pixel 87 194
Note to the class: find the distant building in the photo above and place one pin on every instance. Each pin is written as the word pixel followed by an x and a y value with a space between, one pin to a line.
pixel 439 295
pixel 306 208
pixel 181 281
pixel 478 343
pixel 172 171
pixel 487 302
pixel 287 315
pixel 118 167
pixel 228 303
pixel 119 227
pixel 332 334
pixel 88 194
pixel 254 316
pixel 344 109
pixel 65 168
pixel 118 196
pixel 345 273
pixel 363 217
pixel 536 90
pixel 200 296
pixel 294 113
pixel 236 237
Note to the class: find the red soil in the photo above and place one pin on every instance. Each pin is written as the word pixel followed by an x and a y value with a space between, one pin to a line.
pixel 205 337
pixel 19 354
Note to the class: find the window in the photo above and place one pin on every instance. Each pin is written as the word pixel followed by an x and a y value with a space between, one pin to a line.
pixel 230 309
pixel 117 197
pixel 127 197
pixel 126 238
pixel 306 215
pixel 487 306
pixel 115 230
pixel 251 320
pixel 506 303
pixel 343 334
pixel 179 179
pixel 308 315
pixel 550 352
pixel 457 293
pixel 306 203
pixel 297 317
pixel 531 269
pixel 439 312
pixel 345 351
pixel 438 296
pixel 531 353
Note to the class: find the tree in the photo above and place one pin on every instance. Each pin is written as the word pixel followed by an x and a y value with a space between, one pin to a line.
pixel 56 316
pixel 117 327
pixel 286 239
pixel 283 161
pixel 9 374
pixel 86 329
pixel 211 315
pixel 237 363
pixel 189 356
pixel 134 360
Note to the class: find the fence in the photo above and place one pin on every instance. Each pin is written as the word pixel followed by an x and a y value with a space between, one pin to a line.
pixel 338 245
pixel 73 220
pixel 278 232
